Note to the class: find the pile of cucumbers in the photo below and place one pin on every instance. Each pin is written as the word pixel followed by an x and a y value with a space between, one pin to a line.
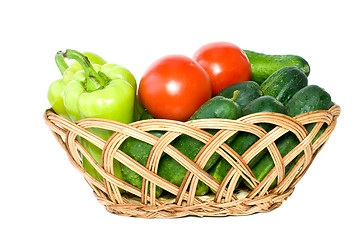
pixel 279 84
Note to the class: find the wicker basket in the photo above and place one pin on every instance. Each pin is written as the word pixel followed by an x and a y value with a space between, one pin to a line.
pixel 228 200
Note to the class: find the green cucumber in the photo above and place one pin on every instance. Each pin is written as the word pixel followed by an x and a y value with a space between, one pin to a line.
pixel 244 139
pixel 139 151
pixel 284 144
pixel 263 65
pixel 264 104
pixel 284 83
pixel 248 91
pixel 307 99
pixel 310 98
pixel 170 169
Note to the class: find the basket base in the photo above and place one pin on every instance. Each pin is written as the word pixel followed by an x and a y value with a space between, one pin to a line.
pixel 243 206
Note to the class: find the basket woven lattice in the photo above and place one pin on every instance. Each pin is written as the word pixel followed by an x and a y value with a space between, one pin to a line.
pixel 228 200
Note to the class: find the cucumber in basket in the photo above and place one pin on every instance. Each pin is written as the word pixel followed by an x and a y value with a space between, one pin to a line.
pixel 248 91
pixel 139 151
pixel 216 107
pixel 284 83
pixel 307 99
pixel 244 139
pixel 310 98
pixel 263 65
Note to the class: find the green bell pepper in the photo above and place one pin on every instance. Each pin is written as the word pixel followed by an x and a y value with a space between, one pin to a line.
pixel 56 89
pixel 106 92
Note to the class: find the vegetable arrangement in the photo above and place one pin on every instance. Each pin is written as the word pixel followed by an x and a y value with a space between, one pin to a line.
pixel 219 81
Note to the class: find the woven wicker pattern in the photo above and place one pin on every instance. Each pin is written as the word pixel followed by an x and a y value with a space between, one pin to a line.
pixel 185 203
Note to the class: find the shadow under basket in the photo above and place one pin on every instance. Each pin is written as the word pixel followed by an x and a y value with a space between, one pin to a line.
pixel 122 198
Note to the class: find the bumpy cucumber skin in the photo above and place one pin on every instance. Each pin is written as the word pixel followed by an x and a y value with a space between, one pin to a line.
pixel 264 104
pixel 284 144
pixel 170 169
pixel 284 83
pixel 218 107
pixel 248 91
pixel 240 145
pixel 264 65
pixel 244 140
pixel 139 151
pixel 309 98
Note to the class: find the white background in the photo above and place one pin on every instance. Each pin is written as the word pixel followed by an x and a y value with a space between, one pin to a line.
pixel 43 197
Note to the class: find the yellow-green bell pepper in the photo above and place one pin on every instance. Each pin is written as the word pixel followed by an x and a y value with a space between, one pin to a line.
pixel 56 89
pixel 106 92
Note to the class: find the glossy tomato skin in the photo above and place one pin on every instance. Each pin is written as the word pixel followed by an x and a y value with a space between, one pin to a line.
pixel 174 87
pixel 225 64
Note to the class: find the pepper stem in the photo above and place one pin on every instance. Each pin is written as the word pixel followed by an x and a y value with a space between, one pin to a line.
pixel 94 80
pixel 60 62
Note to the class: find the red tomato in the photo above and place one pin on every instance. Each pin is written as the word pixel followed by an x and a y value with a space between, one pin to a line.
pixel 174 87
pixel 225 64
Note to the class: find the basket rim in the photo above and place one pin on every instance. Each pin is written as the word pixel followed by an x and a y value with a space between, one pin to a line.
pixel 335 110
